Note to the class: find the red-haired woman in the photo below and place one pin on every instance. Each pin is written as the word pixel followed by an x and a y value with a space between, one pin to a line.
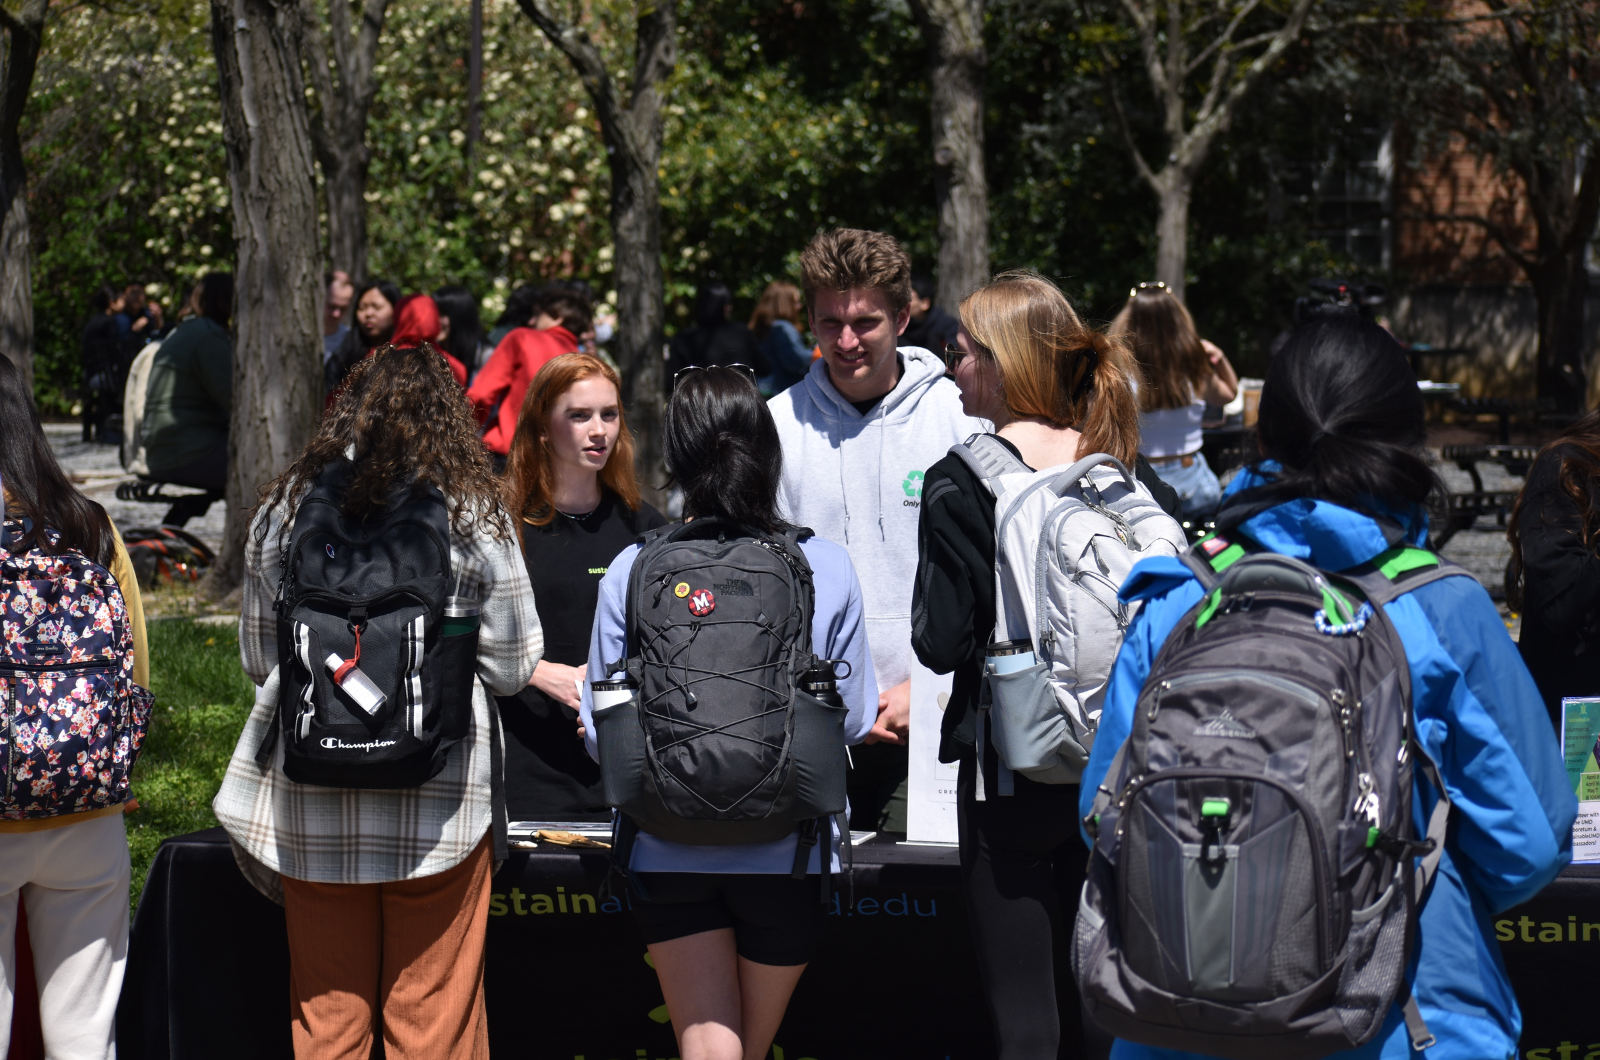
pixel 571 481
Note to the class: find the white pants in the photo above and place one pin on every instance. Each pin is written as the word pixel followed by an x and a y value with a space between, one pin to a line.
pixel 74 883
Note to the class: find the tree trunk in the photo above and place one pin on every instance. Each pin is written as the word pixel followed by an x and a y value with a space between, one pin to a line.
pixel 632 134
pixel 1561 286
pixel 1172 228
pixel 345 86
pixel 25 32
pixel 16 268
pixel 277 340
pixel 344 179
pixel 636 244
pixel 474 83
pixel 953 30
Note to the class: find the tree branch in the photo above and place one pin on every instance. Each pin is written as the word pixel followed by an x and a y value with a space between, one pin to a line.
pixel 574 43
pixel 1220 118
pixel 1491 229
pixel 11 23
pixel 1225 37
pixel 1139 163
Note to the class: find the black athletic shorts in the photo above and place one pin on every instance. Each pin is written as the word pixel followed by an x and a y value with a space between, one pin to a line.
pixel 776 919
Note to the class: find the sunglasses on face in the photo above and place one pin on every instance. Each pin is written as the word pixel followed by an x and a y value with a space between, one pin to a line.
pixel 743 369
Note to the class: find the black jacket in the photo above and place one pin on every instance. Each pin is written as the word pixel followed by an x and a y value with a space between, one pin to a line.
pixel 1560 639
pixel 952 601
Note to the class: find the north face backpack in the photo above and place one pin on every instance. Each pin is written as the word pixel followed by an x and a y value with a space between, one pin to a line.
pixel 1251 892
pixel 1065 538
pixel 74 721
pixel 372 694
pixel 720 743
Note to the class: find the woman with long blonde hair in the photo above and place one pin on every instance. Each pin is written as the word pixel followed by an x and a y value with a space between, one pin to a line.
pixel 1055 390
pixel 1179 375
pixel 570 483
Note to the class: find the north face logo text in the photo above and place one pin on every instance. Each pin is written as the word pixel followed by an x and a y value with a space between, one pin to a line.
pixel 1225 727
pixel 736 587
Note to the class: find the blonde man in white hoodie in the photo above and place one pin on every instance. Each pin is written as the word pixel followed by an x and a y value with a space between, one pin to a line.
pixel 858 432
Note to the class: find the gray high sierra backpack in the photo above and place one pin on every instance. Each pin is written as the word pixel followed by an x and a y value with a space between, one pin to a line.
pixel 720 743
pixel 1251 891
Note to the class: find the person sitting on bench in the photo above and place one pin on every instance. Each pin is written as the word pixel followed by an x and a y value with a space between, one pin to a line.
pixel 188 397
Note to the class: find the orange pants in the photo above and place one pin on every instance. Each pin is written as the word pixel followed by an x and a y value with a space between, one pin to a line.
pixel 412 950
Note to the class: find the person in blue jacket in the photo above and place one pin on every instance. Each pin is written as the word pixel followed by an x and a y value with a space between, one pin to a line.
pixel 1341 432
pixel 729 929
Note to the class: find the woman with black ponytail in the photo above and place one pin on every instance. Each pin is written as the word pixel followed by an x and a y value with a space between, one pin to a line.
pixel 1056 390
pixel 729 927
pixel 1343 485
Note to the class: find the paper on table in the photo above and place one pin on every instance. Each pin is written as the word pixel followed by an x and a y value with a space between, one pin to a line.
pixel 1580 745
pixel 931 795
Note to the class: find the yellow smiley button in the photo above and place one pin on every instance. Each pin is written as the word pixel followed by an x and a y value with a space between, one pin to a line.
pixel 680 590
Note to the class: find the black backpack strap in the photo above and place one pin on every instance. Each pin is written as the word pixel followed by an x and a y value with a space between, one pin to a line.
pixel 818 832
pixel 624 830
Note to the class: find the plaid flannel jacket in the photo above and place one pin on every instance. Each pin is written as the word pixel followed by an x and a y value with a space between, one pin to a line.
pixel 340 835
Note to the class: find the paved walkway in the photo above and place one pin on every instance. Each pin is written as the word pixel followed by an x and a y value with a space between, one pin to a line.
pixel 97 469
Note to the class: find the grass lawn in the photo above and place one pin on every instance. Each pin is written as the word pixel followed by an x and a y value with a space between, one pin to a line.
pixel 202 700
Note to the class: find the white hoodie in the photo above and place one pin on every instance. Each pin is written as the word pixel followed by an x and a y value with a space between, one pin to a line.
pixel 857 480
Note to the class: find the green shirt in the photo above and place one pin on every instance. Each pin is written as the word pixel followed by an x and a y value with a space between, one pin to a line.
pixel 188 396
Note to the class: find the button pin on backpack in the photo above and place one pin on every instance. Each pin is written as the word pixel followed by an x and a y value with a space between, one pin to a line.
pixel 702 603
pixel 680 590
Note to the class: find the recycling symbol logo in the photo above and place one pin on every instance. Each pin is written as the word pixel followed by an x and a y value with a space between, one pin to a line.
pixel 913 485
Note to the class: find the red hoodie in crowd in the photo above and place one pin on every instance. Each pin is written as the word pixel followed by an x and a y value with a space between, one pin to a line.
pixel 418 322
pixel 505 379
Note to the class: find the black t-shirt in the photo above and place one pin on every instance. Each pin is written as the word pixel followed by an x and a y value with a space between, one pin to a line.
pixel 549 775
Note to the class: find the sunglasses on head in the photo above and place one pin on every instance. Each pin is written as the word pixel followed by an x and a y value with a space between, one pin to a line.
pixel 743 369
pixel 1148 285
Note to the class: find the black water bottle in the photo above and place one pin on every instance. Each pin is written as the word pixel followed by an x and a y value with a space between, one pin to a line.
pixel 822 683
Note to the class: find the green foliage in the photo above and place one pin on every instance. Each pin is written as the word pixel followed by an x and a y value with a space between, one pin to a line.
pixel 127 176
pixel 783 118
pixel 531 200
pixel 202 701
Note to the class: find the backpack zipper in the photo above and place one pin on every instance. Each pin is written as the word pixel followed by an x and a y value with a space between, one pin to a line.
pixel 1282 684
pixel 50 668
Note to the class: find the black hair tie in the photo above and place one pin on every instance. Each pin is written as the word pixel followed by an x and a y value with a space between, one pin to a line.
pixel 1091 361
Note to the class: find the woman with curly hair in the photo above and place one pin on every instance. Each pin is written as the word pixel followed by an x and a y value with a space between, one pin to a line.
pixel 385 891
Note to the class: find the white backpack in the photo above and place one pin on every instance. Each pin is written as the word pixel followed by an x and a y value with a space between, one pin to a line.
pixel 1065 539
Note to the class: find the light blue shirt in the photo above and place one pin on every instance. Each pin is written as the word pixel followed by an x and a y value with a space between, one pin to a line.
pixel 838 631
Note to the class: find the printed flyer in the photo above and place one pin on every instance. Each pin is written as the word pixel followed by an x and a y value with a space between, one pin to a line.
pixel 1580 731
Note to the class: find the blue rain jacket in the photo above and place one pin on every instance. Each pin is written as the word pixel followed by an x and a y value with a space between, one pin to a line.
pixel 1480 718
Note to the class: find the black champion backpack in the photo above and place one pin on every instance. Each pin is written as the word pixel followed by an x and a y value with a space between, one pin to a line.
pixel 1251 891
pixel 720 743
pixel 373 594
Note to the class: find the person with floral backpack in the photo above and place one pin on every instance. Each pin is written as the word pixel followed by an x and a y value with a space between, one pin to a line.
pixel 73 666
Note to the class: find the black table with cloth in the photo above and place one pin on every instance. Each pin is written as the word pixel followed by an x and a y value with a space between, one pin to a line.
pixel 567 977
pixel 208 965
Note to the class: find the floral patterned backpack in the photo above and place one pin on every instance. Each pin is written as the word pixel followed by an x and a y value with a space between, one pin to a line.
pixel 73 720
